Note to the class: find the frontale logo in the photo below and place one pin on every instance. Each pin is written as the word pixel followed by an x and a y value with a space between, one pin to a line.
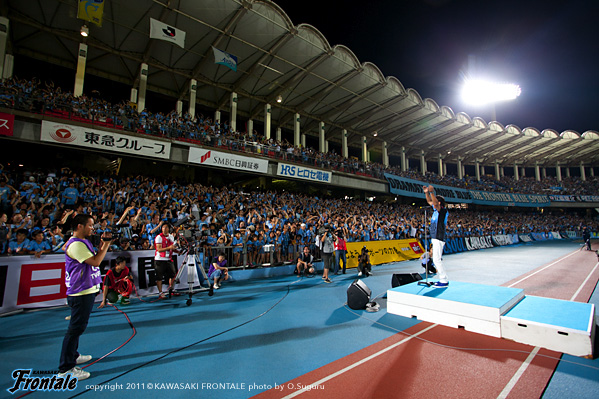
pixel 62 135
pixel 26 380
pixel 205 157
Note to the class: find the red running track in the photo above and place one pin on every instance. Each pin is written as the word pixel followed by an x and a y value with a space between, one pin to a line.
pixel 433 361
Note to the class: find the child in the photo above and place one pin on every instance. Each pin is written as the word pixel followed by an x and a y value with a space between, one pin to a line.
pixel 118 282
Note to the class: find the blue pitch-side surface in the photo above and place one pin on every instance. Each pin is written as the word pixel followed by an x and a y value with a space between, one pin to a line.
pixel 252 332
pixel 576 377
pixel 555 312
pixel 474 294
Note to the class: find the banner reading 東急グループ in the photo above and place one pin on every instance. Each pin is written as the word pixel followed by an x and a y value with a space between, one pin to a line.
pixel 384 251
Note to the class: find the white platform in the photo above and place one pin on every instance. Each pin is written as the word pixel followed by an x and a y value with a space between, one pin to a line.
pixel 554 324
pixel 563 326
pixel 474 307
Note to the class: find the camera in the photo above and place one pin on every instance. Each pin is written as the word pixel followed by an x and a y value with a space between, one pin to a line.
pixel 116 234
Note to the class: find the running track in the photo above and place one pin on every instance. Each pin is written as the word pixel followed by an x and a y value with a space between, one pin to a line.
pixel 433 361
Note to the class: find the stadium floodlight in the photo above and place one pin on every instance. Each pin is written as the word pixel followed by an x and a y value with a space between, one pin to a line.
pixel 479 92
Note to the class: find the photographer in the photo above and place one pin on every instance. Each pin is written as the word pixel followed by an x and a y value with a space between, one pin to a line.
pixel 340 251
pixel 586 238
pixel 218 270
pixel 164 245
pixel 82 280
pixel 364 265
pixel 326 245
pixel 305 262
pixel 426 259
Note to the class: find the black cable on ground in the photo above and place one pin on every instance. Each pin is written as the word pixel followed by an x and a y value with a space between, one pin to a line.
pixel 190 345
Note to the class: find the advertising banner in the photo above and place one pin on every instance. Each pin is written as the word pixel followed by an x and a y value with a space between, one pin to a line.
pixel 384 251
pixel 71 135
pixel 227 160
pixel 301 172
pixel 7 122
pixel 29 282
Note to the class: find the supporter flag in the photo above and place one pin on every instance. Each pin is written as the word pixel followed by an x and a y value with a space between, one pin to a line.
pixel 161 31
pixel 91 10
pixel 224 58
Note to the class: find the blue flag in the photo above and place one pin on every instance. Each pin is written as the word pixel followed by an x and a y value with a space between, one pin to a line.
pixel 224 58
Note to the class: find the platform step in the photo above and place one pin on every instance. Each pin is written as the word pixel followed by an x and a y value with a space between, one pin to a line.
pixel 562 326
pixel 474 307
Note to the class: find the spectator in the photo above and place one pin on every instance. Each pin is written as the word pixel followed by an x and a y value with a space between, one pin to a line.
pixel 38 246
pixel 18 245
pixel 4 233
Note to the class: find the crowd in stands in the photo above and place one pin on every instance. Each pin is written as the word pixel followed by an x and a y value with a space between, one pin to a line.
pixel 35 96
pixel 37 206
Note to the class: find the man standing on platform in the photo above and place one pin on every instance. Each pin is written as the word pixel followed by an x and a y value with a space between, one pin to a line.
pixel 437 231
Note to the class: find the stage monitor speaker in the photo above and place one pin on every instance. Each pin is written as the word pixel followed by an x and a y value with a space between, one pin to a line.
pixel 403 279
pixel 358 295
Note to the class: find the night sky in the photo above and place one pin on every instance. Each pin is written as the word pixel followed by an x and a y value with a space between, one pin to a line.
pixel 550 48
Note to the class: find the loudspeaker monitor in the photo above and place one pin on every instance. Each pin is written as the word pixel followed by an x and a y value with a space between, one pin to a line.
pixel 403 279
pixel 358 295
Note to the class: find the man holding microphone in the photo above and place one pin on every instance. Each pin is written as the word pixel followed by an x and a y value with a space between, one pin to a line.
pixel 437 232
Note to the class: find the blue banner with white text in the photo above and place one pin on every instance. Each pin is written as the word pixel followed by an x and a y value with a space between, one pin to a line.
pixel 413 188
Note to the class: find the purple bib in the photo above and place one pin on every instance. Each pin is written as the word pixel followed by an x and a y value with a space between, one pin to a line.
pixel 80 276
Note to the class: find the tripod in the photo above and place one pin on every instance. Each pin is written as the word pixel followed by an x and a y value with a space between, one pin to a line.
pixel 426 255
pixel 191 263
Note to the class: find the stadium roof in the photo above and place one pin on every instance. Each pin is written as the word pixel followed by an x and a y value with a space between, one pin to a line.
pixel 277 58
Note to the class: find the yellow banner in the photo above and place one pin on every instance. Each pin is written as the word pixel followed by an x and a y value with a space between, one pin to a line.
pixel 91 10
pixel 384 251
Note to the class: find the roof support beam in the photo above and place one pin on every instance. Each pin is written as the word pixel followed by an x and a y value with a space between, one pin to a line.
pixel 241 11
pixel 289 82
pixel 272 50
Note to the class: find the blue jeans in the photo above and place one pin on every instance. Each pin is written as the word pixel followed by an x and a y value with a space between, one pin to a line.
pixel 81 309
pixel 340 254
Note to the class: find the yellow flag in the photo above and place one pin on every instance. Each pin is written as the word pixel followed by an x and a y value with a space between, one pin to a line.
pixel 91 10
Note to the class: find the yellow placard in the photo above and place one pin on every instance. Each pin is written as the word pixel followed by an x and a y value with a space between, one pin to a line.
pixel 384 251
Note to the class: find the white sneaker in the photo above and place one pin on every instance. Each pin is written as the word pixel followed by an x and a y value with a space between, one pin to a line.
pixel 360 274
pixel 83 359
pixel 76 372
pixel 215 286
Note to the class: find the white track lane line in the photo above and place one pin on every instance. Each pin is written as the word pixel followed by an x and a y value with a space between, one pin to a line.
pixel 584 282
pixel 358 363
pixel 516 377
pixel 506 390
pixel 540 270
